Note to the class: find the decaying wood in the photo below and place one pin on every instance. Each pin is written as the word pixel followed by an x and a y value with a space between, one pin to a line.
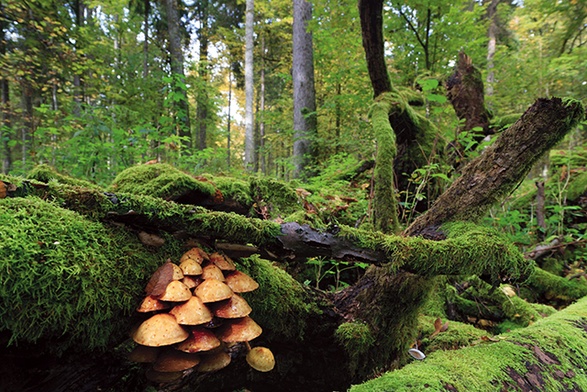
pixel 502 166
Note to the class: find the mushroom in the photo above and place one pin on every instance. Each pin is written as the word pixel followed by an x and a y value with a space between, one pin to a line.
pixel 160 330
pixel 223 262
pixel 211 271
pixel 213 361
pixel 190 267
pixel 162 377
pixel 234 307
pixel 261 359
pixel 195 254
pixel 176 291
pixel 200 339
pixel 191 281
pixel 175 361
pixel 151 304
pixel 213 290
pixel 143 354
pixel 239 330
pixel 192 312
pixel 161 278
pixel 240 282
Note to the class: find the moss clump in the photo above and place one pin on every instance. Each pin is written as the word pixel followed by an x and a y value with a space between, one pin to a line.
pixel 159 180
pixel 274 198
pixel 457 335
pixel 357 339
pixel 233 189
pixel 280 305
pixel 553 346
pixel 45 173
pixel 65 278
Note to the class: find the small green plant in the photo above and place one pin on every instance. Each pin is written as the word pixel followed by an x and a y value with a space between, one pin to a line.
pixel 331 270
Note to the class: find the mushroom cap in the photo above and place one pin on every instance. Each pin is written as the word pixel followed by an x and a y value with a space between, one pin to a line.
pixel 176 291
pixel 191 281
pixel 195 254
pixel 190 267
pixel 222 261
pixel 261 359
pixel 213 361
pixel 234 307
pixel 175 361
pixel 151 304
pixel 177 272
pixel 240 282
pixel 211 271
pixel 161 278
pixel 192 312
pixel 143 354
pixel 159 330
pixel 200 339
pixel 212 290
pixel 417 354
pixel 239 330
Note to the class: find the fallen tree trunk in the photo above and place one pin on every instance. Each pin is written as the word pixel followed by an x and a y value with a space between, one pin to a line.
pixel 549 355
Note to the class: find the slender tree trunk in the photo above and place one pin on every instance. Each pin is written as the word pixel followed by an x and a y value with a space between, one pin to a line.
pixel 229 117
pixel 249 93
pixel 305 120
pixel 491 45
pixel 78 88
pixel 202 99
pixel 262 158
pixel 176 51
pixel 147 11
pixel 5 123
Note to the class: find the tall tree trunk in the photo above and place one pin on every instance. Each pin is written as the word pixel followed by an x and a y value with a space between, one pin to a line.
pixel 262 154
pixel 5 124
pixel 491 45
pixel 176 51
pixel 147 11
pixel 249 93
pixel 229 117
pixel 304 93
pixel 202 99
pixel 78 88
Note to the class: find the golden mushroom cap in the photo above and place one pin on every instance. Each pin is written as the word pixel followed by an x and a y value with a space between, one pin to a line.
pixel 196 254
pixel 159 330
pixel 176 291
pixel 239 330
pixel 200 339
pixel 261 359
pixel 212 290
pixel 240 282
pixel 191 281
pixel 211 271
pixel 175 361
pixel 213 361
pixel 190 267
pixel 151 304
pixel 222 261
pixel 234 307
pixel 192 312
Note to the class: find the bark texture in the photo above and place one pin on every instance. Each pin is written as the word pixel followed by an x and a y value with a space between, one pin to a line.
pixel 496 173
pixel 249 92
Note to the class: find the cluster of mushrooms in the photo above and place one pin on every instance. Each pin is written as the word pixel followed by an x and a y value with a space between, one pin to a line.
pixel 196 316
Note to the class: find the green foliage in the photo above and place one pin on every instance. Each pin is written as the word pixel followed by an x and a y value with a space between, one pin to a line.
pixel 331 272
pixel 357 339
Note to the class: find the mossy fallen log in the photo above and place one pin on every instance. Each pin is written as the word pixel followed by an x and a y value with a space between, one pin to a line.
pixel 549 355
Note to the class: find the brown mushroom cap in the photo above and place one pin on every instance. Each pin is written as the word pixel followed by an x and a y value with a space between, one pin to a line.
pixel 211 271
pixel 175 361
pixel 212 290
pixel 200 339
pixel 261 359
pixel 240 282
pixel 213 361
pixel 143 354
pixel 176 291
pixel 192 312
pixel 195 254
pixel 191 281
pixel 190 267
pixel 160 330
pixel 151 304
pixel 162 377
pixel 234 307
pixel 161 278
pixel 222 261
pixel 239 330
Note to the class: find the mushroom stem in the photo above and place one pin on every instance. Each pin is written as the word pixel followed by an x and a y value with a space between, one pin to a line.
pixel 248 346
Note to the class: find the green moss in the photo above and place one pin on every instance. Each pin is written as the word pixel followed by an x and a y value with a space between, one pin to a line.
pixel 277 198
pixel 233 189
pixel 550 285
pixel 457 335
pixel 45 173
pixel 159 180
pixel 357 339
pixel 577 186
pixel 487 366
pixel 66 278
pixel 280 305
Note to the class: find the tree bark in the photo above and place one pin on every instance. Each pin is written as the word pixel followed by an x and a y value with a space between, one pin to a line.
pixel 502 166
pixel 304 93
pixel 202 97
pixel 249 91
